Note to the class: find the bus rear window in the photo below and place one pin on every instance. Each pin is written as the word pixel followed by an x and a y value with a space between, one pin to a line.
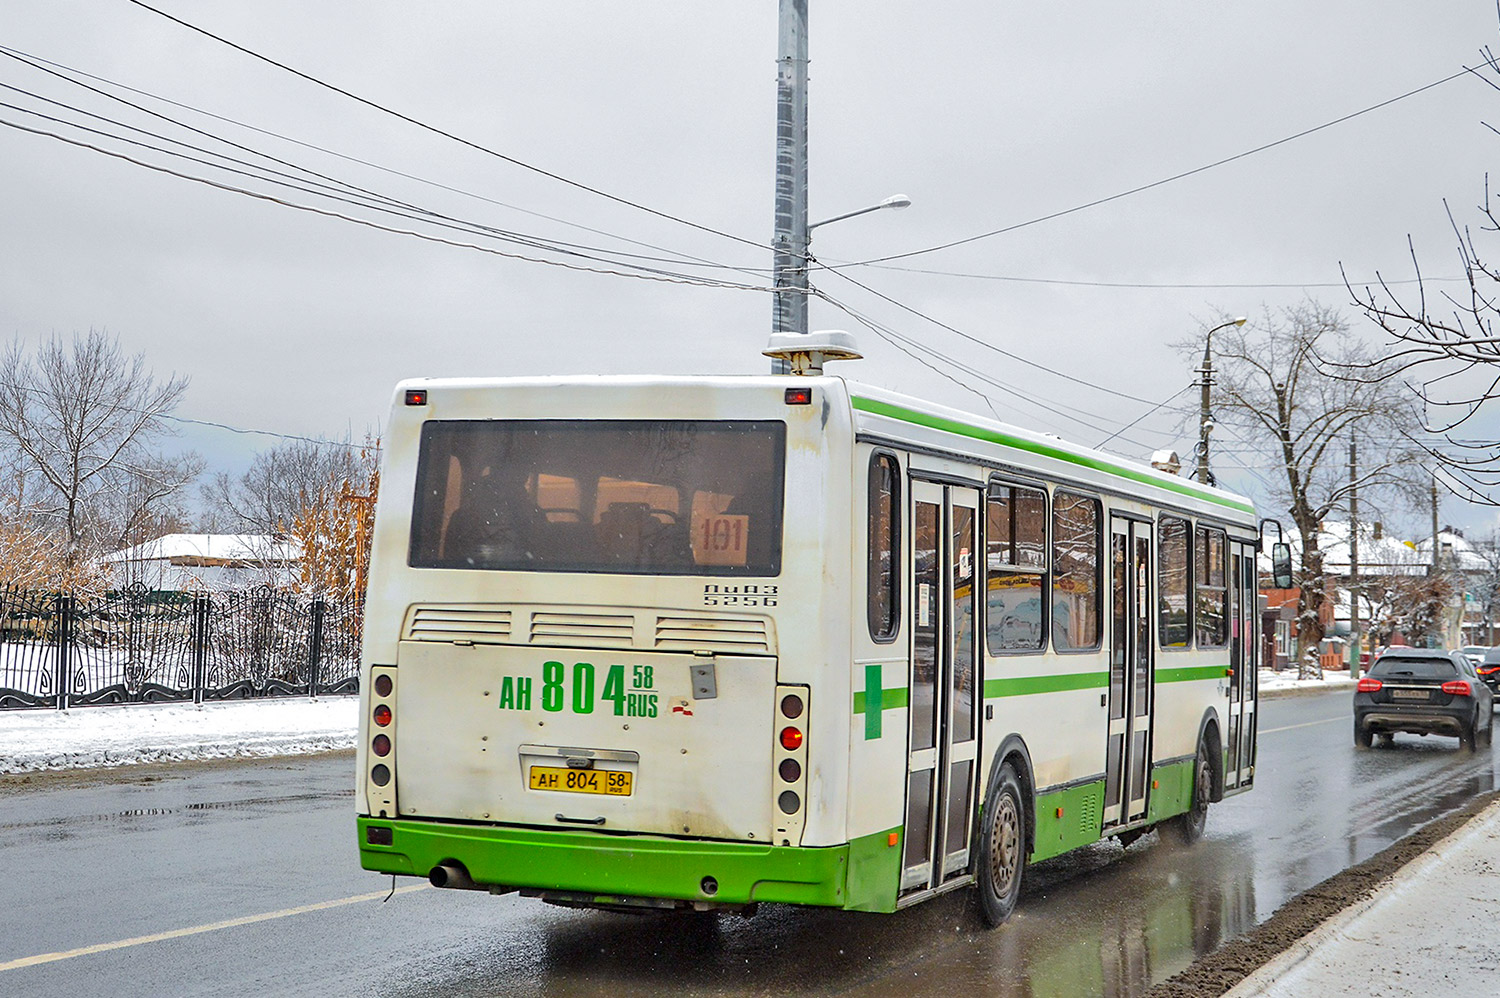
pixel 644 497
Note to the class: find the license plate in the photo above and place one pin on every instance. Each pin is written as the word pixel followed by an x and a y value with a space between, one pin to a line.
pixel 582 781
pixel 1410 695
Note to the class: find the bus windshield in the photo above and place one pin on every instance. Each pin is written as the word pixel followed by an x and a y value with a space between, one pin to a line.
pixel 659 497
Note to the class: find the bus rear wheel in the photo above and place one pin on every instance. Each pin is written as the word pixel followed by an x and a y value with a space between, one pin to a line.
pixel 1002 848
pixel 1188 828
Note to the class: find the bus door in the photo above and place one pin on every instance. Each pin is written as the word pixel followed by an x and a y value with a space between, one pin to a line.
pixel 942 766
pixel 1244 614
pixel 1131 671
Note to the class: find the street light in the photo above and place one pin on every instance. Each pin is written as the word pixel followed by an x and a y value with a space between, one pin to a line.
pixel 896 201
pixel 1205 417
pixel 789 269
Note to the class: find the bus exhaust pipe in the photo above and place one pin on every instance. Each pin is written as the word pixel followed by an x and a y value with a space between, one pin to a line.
pixel 451 876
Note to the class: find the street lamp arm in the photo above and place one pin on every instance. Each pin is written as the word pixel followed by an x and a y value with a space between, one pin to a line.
pixel 897 201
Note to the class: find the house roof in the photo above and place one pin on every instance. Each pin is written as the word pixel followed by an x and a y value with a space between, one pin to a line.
pixel 208 548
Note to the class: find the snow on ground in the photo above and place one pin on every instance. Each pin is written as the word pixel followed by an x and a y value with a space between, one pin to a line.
pixel 32 740
pixel 1286 683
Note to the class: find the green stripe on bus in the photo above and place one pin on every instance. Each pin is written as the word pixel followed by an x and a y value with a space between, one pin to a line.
pixel 1192 674
pixel 889 699
pixel 1023 685
pixel 1042 449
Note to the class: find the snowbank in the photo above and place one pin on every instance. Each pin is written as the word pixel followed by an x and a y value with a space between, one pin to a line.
pixel 32 740
pixel 1285 683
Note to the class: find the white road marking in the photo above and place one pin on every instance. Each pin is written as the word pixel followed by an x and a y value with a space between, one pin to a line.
pixel 32 961
pixel 1272 731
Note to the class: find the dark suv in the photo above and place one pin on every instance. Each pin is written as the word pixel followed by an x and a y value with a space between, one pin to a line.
pixel 1423 691
pixel 1489 669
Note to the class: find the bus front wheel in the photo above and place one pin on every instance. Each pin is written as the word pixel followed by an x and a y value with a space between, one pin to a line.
pixel 1002 848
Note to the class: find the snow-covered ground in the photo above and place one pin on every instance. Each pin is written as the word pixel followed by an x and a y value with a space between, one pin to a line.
pixel 33 740
pixel 1286 683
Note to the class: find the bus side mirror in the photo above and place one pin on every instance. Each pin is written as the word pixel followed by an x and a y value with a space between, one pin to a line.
pixel 1281 566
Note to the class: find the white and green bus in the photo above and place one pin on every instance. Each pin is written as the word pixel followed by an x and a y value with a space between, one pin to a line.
pixel 707 642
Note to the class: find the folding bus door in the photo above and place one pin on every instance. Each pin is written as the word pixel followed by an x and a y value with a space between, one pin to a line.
pixel 944 693
pixel 1131 671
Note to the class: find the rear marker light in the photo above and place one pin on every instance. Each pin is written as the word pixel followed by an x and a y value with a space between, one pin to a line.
pixel 1368 685
pixel 383 686
pixel 380 775
pixel 791 739
pixel 417 397
pixel 381 746
pixel 789 802
pixel 799 396
pixel 790 770
pixel 382 715
pixel 791 706
pixel 1459 688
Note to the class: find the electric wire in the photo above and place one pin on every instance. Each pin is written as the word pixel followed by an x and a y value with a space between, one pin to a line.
pixel 35 60
pixel 449 135
pixel 1156 183
pixel 662 277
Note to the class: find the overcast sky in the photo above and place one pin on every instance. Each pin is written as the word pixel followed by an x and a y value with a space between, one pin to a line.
pixel 985 114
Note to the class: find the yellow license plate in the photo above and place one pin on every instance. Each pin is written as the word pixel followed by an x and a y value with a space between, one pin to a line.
pixel 582 781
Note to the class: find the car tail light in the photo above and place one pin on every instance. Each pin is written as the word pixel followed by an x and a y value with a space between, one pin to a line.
pixel 1486 670
pixel 791 739
pixel 1458 687
pixel 1368 685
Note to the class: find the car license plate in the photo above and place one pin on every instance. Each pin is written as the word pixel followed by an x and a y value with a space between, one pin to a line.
pixel 582 781
pixel 1410 695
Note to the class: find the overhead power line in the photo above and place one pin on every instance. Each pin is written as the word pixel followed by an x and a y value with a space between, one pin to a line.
pixel 447 134
pixel 41 64
pixel 1155 183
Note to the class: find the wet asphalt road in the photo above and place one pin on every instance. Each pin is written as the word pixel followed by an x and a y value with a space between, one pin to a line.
pixel 143 854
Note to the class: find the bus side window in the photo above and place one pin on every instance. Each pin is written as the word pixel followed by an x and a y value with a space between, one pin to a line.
pixel 1210 594
pixel 1173 575
pixel 1076 542
pixel 1015 569
pixel 882 575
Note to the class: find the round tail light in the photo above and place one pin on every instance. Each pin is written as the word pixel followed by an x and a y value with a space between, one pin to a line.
pixel 383 685
pixel 791 739
pixel 791 706
pixel 382 715
pixel 381 746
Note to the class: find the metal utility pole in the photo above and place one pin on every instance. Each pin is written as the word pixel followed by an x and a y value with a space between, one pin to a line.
pixel 1434 526
pixel 1205 414
pixel 1355 638
pixel 790 255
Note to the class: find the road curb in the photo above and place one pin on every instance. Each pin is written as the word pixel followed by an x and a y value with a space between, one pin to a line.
pixel 1337 926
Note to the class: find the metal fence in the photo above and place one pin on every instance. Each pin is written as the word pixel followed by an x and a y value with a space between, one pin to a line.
pixel 140 646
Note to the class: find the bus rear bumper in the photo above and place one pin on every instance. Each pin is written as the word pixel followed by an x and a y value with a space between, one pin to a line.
pixel 610 868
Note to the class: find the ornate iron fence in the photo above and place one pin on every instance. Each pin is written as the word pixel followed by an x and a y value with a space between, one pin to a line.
pixel 143 646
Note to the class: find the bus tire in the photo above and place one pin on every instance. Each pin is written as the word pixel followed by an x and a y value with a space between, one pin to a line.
pixel 1002 848
pixel 1187 828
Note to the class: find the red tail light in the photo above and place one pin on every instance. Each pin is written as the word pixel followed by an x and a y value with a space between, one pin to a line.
pixel 1486 670
pixel 1368 685
pixel 1458 687
pixel 382 715
pixel 791 739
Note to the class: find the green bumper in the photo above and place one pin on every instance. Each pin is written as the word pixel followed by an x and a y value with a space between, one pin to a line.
pixel 613 866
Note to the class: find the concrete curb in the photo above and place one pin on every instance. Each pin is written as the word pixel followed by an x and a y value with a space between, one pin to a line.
pixel 1337 927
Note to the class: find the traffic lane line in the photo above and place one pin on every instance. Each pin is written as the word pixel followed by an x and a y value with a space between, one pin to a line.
pixel 1304 724
pixel 32 961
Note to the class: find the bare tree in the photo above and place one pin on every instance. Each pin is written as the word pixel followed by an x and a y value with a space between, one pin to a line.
pixel 1447 344
pixel 1298 423
pixel 280 484
pixel 83 417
